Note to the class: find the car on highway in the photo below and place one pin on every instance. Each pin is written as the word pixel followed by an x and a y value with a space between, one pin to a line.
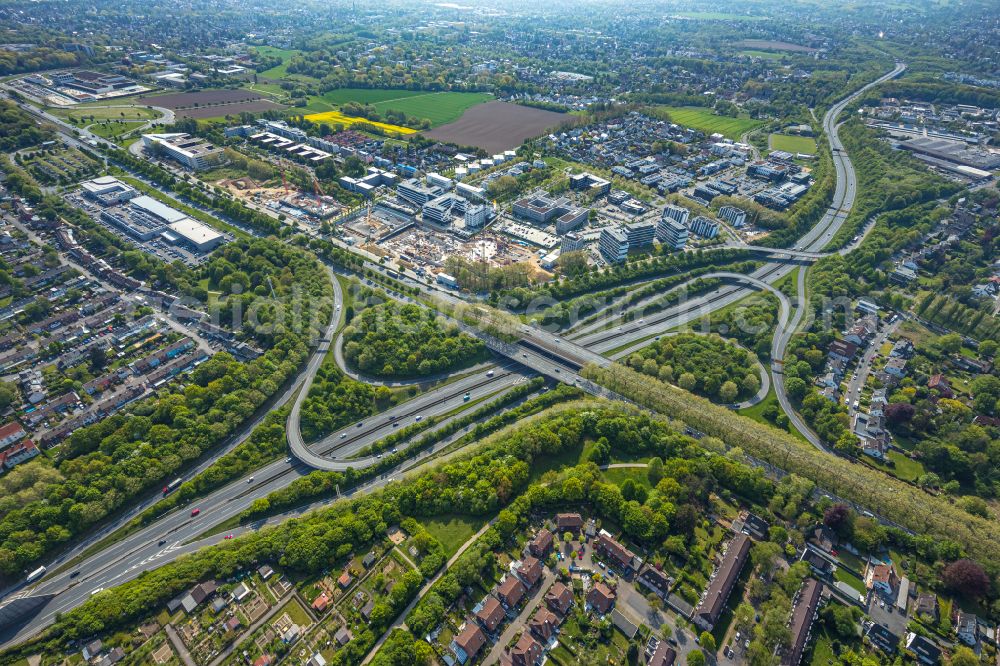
pixel 161 542
pixel 360 424
pixel 419 419
pixel 97 591
pixel 489 373
pixel 75 574
pixel 343 435
pixel 250 480
pixel 466 397
pixel 195 512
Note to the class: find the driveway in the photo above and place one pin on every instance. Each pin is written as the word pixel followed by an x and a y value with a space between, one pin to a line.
pixel 521 621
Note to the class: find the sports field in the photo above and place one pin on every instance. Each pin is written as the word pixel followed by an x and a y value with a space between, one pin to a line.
pixel 705 121
pixel 438 107
pixel 338 118
pixel 793 144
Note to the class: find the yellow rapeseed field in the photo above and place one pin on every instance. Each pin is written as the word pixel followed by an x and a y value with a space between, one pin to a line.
pixel 338 118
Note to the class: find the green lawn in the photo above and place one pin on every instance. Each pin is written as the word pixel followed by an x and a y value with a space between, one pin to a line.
pixel 706 121
pixel 112 130
pixel 438 107
pixel 84 114
pixel 618 475
pixel 768 55
pixel 451 530
pixel 296 612
pixel 846 577
pixel 793 144
pixel 904 468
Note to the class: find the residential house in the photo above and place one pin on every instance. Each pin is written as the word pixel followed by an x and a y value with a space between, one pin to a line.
pixel 966 627
pixel 880 577
pixel 882 638
pixel 617 555
pixel 263 660
pixel 541 544
pixel 510 592
pixel 721 585
pixel 366 610
pixel 821 566
pixel 655 580
pixel 924 649
pixel 544 624
pixel 663 655
pixel 316 660
pixel 265 571
pixel 927 606
pixel 345 580
pixel 18 453
pixel 526 652
pixel 240 592
pixel 232 624
pixel 601 598
pixel 570 522
pixel 530 571
pixel 468 643
pixel 862 331
pixel 490 613
pixel 940 384
pixel 895 367
pixel 804 610
pixel 623 624
pixel 842 350
pixel 369 560
pixel 753 526
pixel 559 598
pixel 902 348
pixel 10 433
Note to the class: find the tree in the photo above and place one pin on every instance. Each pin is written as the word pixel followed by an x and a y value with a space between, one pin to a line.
pixel 728 391
pixel 988 348
pixel 838 518
pixel 796 387
pixel 967 578
pixel 654 470
pixel 687 381
pixel 8 393
pixel 696 658
pixel 897 413
pixel 963 656
pixel 707 641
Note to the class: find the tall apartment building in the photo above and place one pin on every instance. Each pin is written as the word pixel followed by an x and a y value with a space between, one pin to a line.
pixel 415 192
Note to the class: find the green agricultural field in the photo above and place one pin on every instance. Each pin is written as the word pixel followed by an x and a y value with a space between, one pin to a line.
pixel 704 120
pixel 114 129
pixel 280 71
pixel 793 144
pixel 438 107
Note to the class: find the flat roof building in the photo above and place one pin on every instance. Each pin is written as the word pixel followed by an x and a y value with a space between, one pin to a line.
pixel 193 233
pixel 676 213
pixel 639 234
pixel 193 152
pixel 613 245
pixel 672 233
pixel 107 190
pixel 705 227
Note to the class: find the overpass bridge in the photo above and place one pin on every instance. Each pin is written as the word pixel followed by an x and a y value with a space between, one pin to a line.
pixel 774 251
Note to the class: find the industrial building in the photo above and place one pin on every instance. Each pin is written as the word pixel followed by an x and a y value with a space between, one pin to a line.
pixel 954 151
pixel 613 245
pixel 672 233
pixel 144 218
pixel 92 83
pixel 191 151
pixel 705 227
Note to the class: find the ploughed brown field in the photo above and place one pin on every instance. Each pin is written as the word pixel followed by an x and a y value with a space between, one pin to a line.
pixel 498 126
pixel 210 103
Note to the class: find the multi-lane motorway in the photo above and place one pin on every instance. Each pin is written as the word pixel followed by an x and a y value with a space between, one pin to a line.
pixel 541 352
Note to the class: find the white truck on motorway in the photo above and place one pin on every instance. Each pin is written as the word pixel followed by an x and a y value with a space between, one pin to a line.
pixel 36 574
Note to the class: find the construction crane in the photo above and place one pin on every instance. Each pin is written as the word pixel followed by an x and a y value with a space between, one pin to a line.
pixel 284 180
pixel 316 188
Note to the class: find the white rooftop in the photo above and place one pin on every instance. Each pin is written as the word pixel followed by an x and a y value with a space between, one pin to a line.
pixel 160 210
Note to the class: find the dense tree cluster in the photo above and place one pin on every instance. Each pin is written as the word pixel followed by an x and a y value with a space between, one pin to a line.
pixel 706 365
pixel 393 340
pixel 19 130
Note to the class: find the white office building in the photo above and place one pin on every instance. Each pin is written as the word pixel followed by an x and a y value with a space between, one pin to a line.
pixel 676 213
pixel 705 227
pixel 672 233
pixel 476 216
pixel 733 215
pixel 191 151
pixel 613 245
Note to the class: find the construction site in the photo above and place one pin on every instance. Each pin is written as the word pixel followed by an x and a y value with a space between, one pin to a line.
pixel 310 208
pixel 427 249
